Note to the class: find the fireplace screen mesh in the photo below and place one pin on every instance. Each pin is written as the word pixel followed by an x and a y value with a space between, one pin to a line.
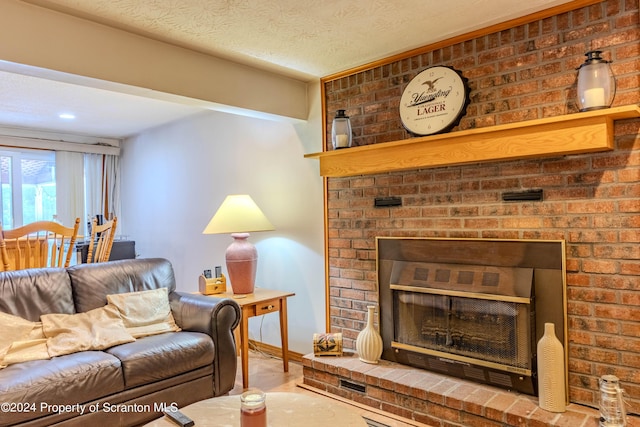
pixel 494 331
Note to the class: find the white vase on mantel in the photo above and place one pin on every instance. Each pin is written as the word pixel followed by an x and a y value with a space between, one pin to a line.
pixel 369 341
pixel 551 375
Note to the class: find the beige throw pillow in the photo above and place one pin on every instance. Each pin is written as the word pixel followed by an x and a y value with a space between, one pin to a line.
pixel 146 312
pixel 96 329
pixel 21 340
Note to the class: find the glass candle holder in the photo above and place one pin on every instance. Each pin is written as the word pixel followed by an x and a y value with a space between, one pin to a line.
pixel 253 408
pixel 596 84
pixel 341 131
pixel 612 409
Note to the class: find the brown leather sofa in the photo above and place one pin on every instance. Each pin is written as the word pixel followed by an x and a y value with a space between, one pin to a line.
pixel 128 384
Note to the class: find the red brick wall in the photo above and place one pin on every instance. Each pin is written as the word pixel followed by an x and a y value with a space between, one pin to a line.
pixel 591 201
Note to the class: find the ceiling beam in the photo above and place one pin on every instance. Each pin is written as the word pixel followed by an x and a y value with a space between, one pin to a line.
pixel 57 46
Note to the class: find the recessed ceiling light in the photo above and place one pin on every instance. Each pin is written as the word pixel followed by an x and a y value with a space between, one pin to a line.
pixel 67 116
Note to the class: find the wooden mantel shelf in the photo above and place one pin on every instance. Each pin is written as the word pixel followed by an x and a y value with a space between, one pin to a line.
pixel 586 132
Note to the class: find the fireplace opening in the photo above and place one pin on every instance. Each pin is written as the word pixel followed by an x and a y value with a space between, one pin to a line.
pixel 467 308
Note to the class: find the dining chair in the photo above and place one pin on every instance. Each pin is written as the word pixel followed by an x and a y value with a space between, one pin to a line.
pixel 101 240
pixel 6 265
pixel 38 244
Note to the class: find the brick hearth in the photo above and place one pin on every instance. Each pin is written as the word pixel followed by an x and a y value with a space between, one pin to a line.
pixel 434 399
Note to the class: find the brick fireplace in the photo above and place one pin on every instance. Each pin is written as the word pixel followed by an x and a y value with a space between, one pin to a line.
pixel 591 201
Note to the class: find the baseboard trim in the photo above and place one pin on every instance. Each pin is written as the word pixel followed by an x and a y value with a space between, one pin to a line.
pixel 274 351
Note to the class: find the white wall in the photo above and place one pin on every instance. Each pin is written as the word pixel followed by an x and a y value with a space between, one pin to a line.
pixel 175 177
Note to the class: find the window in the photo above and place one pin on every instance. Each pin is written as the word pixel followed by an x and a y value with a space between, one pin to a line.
pixel 28 190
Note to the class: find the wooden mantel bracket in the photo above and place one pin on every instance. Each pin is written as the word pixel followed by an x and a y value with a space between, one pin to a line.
pixel 585 132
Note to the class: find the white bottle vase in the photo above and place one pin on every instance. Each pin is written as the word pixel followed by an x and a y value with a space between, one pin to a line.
pixel 551 375
pixel 369 341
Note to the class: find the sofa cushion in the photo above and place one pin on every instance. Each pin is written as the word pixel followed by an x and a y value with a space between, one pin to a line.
pixel 74 378
pixel 33 292
pixel 146 312
pixel 157 357
pixel 92 283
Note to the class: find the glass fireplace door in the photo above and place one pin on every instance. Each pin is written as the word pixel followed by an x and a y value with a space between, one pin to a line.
pixel 485 330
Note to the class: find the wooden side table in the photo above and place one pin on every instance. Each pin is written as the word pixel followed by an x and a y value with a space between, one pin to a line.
pixel 261 301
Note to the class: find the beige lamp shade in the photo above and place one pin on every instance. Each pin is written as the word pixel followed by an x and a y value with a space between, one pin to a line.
pixel 238 214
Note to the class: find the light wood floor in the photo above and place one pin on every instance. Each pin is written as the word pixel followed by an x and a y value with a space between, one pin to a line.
pixel 266 373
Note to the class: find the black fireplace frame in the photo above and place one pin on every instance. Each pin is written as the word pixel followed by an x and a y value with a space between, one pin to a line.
pixel 547 258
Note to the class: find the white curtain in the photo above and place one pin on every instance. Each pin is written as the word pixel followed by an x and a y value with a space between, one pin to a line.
pixel 102 186
pixel 111 187
pixel 93 187
pixel 69 187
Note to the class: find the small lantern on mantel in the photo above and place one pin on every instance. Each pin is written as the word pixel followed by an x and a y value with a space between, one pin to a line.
pixel 341 131
pixel 596 84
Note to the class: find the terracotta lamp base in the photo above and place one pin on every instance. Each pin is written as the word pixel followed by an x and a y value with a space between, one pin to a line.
pixel 242 263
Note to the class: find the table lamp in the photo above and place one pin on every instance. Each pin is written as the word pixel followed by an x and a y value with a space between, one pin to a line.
pixel 239 215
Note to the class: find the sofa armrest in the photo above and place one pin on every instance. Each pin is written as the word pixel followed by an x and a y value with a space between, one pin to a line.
pixel 216 318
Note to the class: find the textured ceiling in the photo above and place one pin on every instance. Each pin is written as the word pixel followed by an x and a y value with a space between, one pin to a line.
pixel 304 39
